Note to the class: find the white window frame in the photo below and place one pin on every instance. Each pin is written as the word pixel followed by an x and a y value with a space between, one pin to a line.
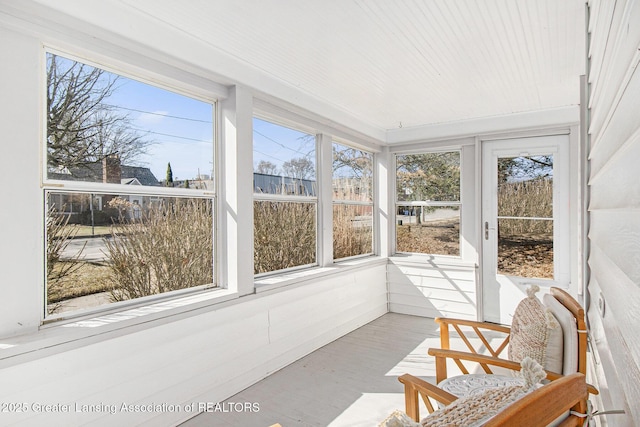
pixel 278 198
pixel 68 186
pixel 457 204
pixel 338 202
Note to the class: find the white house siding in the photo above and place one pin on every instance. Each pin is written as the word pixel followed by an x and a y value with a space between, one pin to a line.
pixel 614 207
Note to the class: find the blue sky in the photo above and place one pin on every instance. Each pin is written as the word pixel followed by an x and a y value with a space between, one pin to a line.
pixel 278 144
pixel 180 128
pixel 180 131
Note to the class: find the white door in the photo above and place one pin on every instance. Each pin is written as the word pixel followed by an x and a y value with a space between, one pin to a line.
pixel 525 218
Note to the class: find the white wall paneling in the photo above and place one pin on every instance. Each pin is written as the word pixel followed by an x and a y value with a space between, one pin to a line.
pixel 428 288
pixel 203 356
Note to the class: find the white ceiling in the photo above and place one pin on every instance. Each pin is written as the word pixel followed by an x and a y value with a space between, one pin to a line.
pixel 385 63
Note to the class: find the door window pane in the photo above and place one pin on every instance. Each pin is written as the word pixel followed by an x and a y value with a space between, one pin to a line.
pixel 525 248
pixel 525 216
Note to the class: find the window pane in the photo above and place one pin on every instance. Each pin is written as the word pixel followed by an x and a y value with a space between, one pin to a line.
pixel 103 248
pixel 525 187
pixel 525 248
pixel 525 216
pixel 284 235
pixel 284 160
pixel 428 177
pixel 106 128
pixel 352 230
pixel 352 174
pixel 428 230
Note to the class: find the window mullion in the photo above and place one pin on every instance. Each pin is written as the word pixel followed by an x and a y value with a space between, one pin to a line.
pixel 325 206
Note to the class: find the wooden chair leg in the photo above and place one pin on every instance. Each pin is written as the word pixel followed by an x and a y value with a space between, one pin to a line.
pixel 412 408
pixel 441 369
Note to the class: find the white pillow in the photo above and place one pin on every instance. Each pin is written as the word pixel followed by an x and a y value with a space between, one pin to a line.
pixel 535 332
pixel 569 332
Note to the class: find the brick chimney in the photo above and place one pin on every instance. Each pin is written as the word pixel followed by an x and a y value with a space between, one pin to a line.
pixel 111 171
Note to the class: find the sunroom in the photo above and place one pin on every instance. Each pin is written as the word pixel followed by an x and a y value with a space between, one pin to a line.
pixel 202 199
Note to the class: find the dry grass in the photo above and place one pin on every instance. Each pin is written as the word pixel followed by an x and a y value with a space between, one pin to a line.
pixel 284 235
pixel 171 248
pixel 526 256
pixel 525 247
pixel 526 199
pixel 433 237
pixel 86 279
pixel 352 230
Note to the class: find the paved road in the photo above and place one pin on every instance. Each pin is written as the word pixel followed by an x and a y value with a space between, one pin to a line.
pixel 94 249
pixel 437 215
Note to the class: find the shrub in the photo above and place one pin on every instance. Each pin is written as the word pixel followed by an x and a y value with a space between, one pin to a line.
pixel 284 235
pixel 59 234
pixel 169 248
pixel 352 230
pixel 526 199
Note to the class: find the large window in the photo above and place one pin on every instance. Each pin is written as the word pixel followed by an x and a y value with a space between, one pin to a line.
pixel 128 188
pixel 285 197
pixel 428 203
pixel 352 202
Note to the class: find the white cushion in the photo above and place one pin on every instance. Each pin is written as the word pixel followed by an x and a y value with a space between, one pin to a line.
pixel 569 333
pixel 554 354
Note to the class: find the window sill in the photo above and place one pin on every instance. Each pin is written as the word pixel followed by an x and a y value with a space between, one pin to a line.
pixel 270 283
pixel 63 335
pixel 67 334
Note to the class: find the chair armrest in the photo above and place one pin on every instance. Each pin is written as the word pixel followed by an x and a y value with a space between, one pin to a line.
pixel 546 404
pixel 414 386
pixel 474 357
pixel 485 361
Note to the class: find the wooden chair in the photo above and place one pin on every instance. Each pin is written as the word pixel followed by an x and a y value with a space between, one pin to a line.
pixel 537 408
pixel 466 329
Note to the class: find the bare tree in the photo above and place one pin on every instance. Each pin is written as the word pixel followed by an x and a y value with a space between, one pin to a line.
pixel 81 127
pixel 299 168
pixel 525 168
pixel 352 162
pixel 266 167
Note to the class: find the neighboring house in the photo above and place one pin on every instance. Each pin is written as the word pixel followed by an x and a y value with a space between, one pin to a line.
pixel 109 170
pixel 276 184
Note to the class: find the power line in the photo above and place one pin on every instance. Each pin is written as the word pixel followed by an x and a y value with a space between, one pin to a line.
pixel 280 144
pixel 172 136
pixel 268 155
pixel 158 114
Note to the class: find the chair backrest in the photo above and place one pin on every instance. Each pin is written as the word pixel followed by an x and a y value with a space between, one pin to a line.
pixel 578 313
